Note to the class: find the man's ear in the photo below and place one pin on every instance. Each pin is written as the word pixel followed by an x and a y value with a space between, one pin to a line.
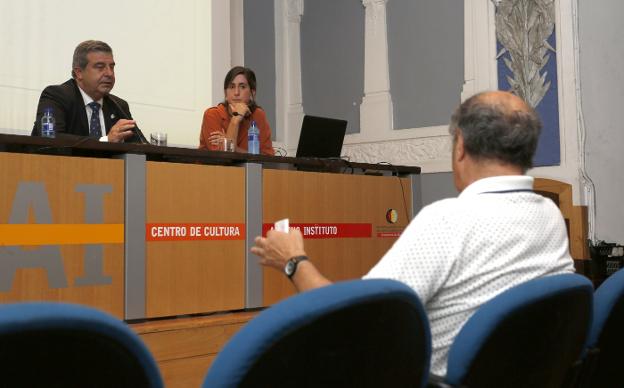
pixel 78 73
pixel 459 151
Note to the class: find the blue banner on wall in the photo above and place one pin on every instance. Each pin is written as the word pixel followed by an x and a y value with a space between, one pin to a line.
pixel 548 149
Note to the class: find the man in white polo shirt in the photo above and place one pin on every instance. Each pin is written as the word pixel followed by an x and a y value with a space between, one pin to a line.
pixel 459 253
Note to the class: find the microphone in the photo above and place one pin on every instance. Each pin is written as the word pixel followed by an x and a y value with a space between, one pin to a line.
pixel 127 115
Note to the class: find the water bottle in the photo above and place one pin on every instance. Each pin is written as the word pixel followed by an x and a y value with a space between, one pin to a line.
pixel 253 139
pixel 48 123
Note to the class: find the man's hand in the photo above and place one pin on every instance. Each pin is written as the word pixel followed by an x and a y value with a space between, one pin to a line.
pixel 278 247
pixel 121 130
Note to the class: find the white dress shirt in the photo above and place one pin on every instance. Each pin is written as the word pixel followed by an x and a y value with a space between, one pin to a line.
pixel 87 100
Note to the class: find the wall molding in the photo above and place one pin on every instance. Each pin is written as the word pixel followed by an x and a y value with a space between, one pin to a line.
pixel 430 153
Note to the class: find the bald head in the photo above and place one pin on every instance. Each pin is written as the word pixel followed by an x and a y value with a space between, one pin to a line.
pixel 498 126
pixel 508 102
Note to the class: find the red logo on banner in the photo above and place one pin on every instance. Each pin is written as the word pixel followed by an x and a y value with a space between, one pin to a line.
pixel 329 230
pixel 194 232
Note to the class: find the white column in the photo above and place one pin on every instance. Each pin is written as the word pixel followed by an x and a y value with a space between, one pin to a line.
pixel 220 47
pixel 480 68
pixel 289 108
pixel 376 108
pixel 237 33
pixel 293 72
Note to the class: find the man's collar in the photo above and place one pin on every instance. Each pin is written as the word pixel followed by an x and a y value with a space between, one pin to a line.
pixel 499 183
pixel 86 98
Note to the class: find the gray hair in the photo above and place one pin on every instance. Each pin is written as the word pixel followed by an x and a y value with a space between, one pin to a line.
pixel 83 49
pixel 504 128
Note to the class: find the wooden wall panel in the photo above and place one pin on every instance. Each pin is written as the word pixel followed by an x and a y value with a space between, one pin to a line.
pixel 579 232
pixel 187 277
pixel 60 176
pixel 576 216
pixel 185 348
pixel 308 197
pixel 184 373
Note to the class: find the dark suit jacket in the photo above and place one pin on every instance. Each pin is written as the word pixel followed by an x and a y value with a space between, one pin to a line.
pixel 70 113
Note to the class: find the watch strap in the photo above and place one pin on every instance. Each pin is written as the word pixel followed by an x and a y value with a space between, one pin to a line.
pixel 294 262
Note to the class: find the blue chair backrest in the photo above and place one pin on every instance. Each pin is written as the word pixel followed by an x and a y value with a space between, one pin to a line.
pixel 607 334
pixel 364 333
pixel 66 345
pixel 528 336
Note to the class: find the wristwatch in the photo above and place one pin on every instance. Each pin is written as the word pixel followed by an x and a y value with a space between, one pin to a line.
pixel 291 265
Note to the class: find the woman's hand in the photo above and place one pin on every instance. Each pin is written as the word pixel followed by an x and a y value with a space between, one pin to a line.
pixel 240 109
pixel 216 138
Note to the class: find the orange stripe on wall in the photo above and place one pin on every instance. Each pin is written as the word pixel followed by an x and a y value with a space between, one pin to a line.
pixel 60 234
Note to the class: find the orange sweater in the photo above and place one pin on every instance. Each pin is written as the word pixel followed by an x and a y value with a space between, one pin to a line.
pixel 218 119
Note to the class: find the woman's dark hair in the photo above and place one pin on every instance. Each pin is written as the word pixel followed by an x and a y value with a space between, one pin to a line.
pixel 251 80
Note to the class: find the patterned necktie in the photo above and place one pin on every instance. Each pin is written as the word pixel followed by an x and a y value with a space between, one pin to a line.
pixel 95 129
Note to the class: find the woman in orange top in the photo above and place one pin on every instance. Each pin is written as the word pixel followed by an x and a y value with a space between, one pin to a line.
pixel 232 117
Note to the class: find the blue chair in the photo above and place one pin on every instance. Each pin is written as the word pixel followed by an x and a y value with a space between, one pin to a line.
pixel 528 336
pixel 602 366
pixel 66 345
pixel 361 333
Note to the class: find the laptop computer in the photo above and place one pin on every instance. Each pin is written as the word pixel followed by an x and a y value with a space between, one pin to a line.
pixel 321 137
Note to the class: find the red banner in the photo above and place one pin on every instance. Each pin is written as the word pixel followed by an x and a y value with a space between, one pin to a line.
pixel 342 230
pixel 194 232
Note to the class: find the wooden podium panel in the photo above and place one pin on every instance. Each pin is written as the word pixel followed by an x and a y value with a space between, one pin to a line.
pixel 62 230
pixel 575 216
pixel 185 348
pixel 351 203
pixel 190 274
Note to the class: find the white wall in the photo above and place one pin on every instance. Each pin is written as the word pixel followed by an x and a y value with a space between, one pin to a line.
pixel 163 51
pixel 602 90
pixel 430 147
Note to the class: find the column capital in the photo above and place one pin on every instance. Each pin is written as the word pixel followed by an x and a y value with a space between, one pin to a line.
pixel 366 3
pixel 295 10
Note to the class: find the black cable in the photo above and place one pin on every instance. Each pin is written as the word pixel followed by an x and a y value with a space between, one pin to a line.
pixel 404 200
pixel 395 172
pixel 279 151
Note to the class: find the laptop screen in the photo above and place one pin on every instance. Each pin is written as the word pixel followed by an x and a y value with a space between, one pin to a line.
pixel 321 137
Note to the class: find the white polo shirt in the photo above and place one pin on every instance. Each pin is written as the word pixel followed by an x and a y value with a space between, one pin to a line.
pixel 460 252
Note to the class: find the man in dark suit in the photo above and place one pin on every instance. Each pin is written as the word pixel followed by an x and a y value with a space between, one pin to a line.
pixel 83 105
